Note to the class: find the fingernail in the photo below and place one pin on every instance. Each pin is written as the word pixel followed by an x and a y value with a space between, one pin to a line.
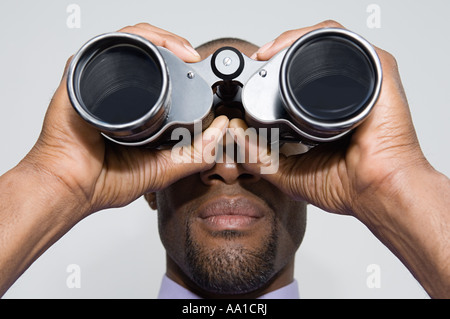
pixel 191 50
pixel 221 122
pixel 264 48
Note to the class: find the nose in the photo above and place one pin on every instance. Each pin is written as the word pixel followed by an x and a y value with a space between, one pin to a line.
pixel 228 173
pixel 228 170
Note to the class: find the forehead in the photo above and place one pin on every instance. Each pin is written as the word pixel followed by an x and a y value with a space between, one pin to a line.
pixel 209 48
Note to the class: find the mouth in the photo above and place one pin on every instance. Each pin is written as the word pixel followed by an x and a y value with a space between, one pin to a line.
pixel 231 213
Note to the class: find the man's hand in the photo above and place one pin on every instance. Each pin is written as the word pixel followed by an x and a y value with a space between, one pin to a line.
pixel 98 173
pixel 72 171
pixel 379 175
pixel 336 177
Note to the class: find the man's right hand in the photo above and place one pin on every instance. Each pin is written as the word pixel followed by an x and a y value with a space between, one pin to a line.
pixel 73 155
pixel 72 171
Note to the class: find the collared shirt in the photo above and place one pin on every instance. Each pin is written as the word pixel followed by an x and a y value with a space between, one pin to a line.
pixel 171 290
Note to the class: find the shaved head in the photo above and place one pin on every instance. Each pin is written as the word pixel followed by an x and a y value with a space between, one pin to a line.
pixel 210 47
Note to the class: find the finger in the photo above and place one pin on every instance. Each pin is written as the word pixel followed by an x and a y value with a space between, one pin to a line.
pixel 283 172
pixel 255 152
pixel 152 28
pixel 389 129
pixel 205 145
pixel 287 38
pixel 189 158
pixel 177 45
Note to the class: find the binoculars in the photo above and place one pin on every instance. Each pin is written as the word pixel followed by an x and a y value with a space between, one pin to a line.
pixel 136 94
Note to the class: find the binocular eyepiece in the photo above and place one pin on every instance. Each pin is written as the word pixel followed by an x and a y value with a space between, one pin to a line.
pixel 136 93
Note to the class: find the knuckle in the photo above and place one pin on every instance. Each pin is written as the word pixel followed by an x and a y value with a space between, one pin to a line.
pixel 331 24
pixel 66 66
pixel 388 59
pixel 144 25
pixel 392 61
pixel 288 36
pixel 127 29
pixel 288 33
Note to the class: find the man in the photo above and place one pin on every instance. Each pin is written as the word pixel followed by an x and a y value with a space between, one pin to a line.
pixel 227 229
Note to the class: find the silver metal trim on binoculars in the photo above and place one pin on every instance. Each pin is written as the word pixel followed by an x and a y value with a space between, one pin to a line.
pixel 187 93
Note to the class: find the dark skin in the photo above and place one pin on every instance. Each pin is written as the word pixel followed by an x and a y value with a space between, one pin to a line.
pixel 178 206
pixel 379 175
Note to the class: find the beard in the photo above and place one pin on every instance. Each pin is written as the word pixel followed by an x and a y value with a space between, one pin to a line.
pixel 231 269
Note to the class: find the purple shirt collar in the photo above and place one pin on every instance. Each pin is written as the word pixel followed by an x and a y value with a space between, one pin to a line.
pixel 171 290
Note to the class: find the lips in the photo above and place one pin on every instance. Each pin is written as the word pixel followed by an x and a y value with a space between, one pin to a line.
pixel 233 213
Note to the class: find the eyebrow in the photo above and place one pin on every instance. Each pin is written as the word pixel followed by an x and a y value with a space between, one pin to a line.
pixel 226 41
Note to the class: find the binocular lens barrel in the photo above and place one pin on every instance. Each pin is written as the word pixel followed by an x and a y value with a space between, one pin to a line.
pixel 120 85
pixel 329 81
pixel 119 76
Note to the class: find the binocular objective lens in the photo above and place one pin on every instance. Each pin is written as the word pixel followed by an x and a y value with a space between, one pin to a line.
pixel 120 84
pixel 330 78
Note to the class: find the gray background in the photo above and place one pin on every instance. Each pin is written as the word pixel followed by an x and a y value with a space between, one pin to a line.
pixel 118 251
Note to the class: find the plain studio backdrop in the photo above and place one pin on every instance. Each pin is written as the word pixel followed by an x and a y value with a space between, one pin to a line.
pixel 117 253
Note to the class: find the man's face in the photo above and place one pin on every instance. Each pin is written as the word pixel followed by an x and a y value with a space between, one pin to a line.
pixel 227 231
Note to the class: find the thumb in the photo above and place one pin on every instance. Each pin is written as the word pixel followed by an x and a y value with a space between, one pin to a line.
pixel 257 153
pixel 189 157
pixel 290 174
